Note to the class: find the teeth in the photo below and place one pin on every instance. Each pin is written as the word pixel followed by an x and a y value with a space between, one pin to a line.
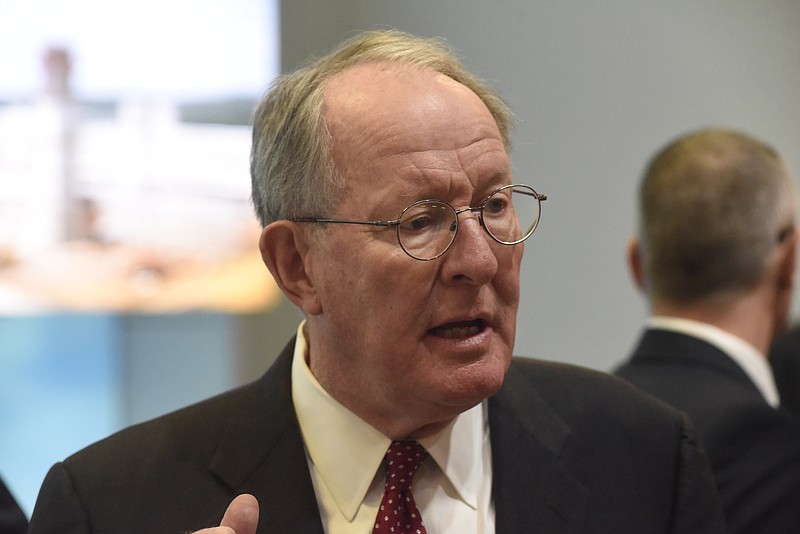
pixel 457 332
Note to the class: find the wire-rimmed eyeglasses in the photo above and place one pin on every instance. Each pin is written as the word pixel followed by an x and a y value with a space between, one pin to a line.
pixel 427 228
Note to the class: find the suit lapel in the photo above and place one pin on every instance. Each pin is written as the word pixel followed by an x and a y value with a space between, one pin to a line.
pixel 262 453
pixel 531 486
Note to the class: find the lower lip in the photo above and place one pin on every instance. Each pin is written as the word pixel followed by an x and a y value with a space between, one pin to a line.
pixel 480 340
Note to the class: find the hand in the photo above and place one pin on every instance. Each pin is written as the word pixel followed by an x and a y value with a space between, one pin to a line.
pixel 241 517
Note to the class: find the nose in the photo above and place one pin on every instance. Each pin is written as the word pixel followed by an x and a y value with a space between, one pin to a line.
pixel 471 258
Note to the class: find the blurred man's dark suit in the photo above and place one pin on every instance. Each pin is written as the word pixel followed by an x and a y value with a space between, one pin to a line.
pixel 573 451
pixel 754 448
pixel 785 360
pixel 12 518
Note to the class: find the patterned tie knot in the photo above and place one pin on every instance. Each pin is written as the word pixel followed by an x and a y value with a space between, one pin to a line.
pixel 402 460
pixel 398 513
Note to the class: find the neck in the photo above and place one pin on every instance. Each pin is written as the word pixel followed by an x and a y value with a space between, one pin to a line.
pixel 746 316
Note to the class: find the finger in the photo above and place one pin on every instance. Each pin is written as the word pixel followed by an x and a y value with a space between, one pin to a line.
pixel 242 515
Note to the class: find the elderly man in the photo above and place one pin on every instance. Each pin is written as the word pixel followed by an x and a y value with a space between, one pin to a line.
pixel 383 184
pixel 716 259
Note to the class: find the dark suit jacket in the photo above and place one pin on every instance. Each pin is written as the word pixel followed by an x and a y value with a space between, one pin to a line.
pixel 784 357
pixel 12 518
pixel 754 448
pixel 573 451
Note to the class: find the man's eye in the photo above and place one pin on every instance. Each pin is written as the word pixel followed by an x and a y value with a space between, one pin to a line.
pixel 418 223
pixel 495 205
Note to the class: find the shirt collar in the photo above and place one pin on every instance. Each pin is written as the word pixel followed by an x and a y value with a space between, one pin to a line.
pixel 746 356
pixel 348 467
pixel 458 452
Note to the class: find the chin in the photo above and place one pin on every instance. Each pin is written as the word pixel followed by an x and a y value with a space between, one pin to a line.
pixel 468 387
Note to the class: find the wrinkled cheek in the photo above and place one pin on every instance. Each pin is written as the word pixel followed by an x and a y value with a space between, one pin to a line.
pixel 508 287
pixel 508 295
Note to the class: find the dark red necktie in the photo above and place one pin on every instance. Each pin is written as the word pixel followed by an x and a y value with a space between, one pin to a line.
pixel 398 512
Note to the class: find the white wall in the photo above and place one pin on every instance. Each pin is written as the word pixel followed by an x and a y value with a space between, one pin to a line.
pixel 597 87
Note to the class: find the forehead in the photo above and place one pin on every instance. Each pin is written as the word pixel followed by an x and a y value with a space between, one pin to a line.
pixel 400 121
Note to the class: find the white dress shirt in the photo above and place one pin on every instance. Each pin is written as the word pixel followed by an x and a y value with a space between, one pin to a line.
pixel 746 356
pixel 452 488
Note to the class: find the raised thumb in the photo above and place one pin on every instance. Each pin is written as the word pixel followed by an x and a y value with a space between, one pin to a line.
pixel 242 514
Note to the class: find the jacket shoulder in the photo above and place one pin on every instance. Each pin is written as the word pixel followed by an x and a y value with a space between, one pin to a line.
pixel 580 390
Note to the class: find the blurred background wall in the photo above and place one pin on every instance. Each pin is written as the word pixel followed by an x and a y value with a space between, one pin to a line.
pixel 596 87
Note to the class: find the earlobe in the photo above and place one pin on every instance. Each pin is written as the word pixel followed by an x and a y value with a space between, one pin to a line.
pixel 789 261
pixel 285 252
pixel 635 263
pixel 784 281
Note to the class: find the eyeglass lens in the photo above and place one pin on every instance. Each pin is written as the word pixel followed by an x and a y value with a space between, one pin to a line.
pixel 427 228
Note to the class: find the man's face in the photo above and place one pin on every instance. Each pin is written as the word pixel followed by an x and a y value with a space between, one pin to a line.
pixel 403 343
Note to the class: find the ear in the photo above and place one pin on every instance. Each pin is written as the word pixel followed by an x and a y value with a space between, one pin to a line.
pixel 788 261
pixel 635 262
pixel 784 281
pixel 285 251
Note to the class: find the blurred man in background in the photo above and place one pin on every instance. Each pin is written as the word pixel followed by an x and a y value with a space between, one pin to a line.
pixel 715 257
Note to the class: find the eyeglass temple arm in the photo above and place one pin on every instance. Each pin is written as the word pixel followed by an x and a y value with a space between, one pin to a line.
pixel 345 221
pixel 538 196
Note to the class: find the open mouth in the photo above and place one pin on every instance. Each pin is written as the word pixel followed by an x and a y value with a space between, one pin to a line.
pixel 459 330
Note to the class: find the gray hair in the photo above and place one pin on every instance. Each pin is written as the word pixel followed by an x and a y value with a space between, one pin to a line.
pixel 291 166
pixel 713 206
